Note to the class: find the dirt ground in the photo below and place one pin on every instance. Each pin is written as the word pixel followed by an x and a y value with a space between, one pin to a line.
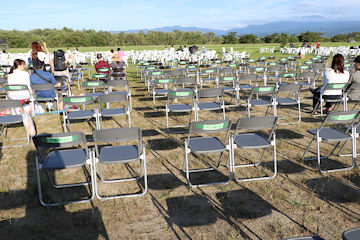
pixel 298 202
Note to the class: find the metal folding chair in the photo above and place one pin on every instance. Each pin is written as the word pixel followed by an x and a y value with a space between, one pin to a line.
pixel 253 140
pixel 45 87
pixel 352 234
pixel 108 112
pixel 61 151
pixel 118 154
pixel 15 118
pixel 216 94
pixel 331 86
pixel 205 145
pixel 293 99
pixel 78 114
pixel 161 88
pixel 262 101
pixel 94 86
pixel 333 135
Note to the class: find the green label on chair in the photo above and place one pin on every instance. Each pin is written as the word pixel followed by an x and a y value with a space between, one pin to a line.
pixel 231 65
pixel 285 75
pixel 181 94
pixel 347 65
pixel 309 62
pixel 264 89
pixel 228 78
pixel 205 60
pixel 212 126
pixel 59 139
pixel 303 67
pixel 2 74
pixel 272 64
pixel 343 117
pixel 182 63
pixel 76 100
pixel 237 59
pixel 156 73
pixel 251 60
pixel 259 69
pixel 99 75
pixel 209 71
pixel 146 64
pixel 218 61
pixel 173 60
pixel 169 80
pixel 337 85
pixel 103 69
pixel 283 60
pixel 191 66
pixel 93 83
pixel 15 87
pixel 150 68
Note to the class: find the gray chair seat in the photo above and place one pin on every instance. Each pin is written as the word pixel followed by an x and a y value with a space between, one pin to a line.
pixel 162 91
pixel 260 102
pixel 228 89
pixel 209 106
pixel 120 92
pixel 205 145
pixel 11 119
pixel 65 159
pixel 84 114
pixel 245 87
pixel 286 101
pixel 251 140
pixel 330 134
pixel 95 94
pixel 179 107
pixel 352 234
pixel 119 154
pixel 113 112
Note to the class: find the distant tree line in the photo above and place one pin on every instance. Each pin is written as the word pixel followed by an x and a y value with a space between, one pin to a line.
pixel 67 37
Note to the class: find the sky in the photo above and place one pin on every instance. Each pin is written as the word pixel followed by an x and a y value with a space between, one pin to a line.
pixel 147 14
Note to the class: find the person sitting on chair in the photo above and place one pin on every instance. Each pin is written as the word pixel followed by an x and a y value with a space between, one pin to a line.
pixel 39 76
pixel 354 92
pixel 101 64
pixel 335 74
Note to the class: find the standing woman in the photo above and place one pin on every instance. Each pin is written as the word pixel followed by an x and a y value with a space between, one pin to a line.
pixel 38 54
pixel 335 74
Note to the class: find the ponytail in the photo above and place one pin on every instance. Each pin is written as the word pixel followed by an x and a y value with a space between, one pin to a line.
pixel 17 63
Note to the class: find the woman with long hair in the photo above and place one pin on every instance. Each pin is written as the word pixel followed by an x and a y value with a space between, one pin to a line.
pixel 18 75
pixel 335 74
pixel 38 54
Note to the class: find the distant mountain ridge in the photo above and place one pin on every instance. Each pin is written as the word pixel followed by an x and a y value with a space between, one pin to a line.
pixel 328 28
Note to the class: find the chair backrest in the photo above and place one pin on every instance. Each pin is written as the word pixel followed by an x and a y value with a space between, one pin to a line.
pixel 342 117
pixel 273 69
pixel 256 123
pixel 103 70
pixel 210 93
pixel 261 90
pixel 59 140
pixel 306 75
pixel 118 83
pixel 226 71
pixel 42 86
pixel 163 81
pixel 210 126
pixel 249 77
pixel 228 79
pixel 288 75
pixel 295 88
pixel 208 71
pixel 177 73
pixel 186 80
pixel 16 87
pixel 181 93
pixel 6 104
pixel 117 135
pixel 94 84
pixel 112 97
pixel 78 100
pixel 156 73
pixel 336 86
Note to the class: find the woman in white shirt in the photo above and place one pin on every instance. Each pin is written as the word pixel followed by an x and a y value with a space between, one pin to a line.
pixel 18 75
pixel 335 74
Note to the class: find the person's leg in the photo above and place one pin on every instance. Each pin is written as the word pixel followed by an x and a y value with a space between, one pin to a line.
pixel 316 99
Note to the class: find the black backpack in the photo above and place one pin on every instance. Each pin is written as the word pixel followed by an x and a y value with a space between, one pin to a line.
pixel 59 60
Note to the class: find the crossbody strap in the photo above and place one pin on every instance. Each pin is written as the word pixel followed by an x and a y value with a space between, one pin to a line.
pixel 42 77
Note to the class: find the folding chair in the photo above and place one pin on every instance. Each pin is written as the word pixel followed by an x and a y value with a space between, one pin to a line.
pixel 79 114
pixel 207 76
pixel 205 145
pixel 16 110
pixel 107 112
pixel 333 135
pixel 94 86
pixel 229 84
pixel 306 80
pixel 45 87
pixel 161 87
pixel 183 107
pixel 115 154
pixel 189 83
pixel 120 87
pixel 331 86
pixel 352 234
pixel 291 100
pixel 13 88
pixel 216 94
pixel 61 151
pixel 264 91
pixel 253 140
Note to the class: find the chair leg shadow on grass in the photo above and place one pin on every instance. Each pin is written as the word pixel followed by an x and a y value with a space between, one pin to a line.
pixel 40 223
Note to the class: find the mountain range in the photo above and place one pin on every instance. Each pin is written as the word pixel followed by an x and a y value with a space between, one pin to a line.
pixel 328 28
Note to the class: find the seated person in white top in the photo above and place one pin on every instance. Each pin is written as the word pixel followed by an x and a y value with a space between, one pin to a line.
pixel 335 74
pixel 18 75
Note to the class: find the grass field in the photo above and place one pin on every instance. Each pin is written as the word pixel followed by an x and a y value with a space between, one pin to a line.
pixel 298 202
